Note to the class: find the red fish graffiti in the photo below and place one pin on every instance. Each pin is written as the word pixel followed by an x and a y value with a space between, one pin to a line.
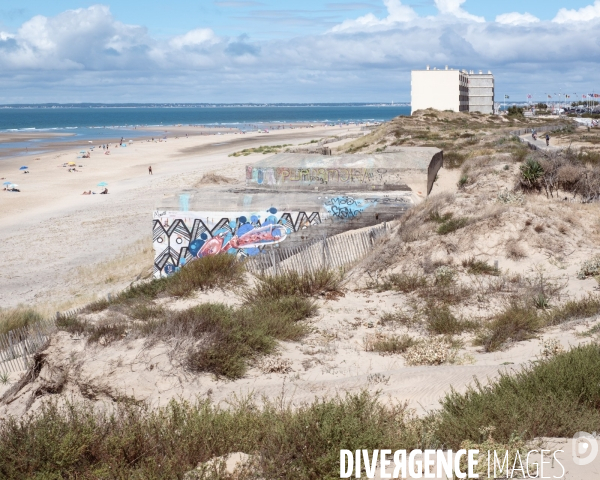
pixel 212 246
pixel 254 238
pixel 257 236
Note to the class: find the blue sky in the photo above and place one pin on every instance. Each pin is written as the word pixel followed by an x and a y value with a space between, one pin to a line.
pixel 278 51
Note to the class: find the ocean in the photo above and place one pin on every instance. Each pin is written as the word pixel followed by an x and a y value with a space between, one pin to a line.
pixel 108 122
pixel 15 119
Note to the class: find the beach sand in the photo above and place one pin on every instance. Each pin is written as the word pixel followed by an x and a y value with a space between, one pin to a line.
pixel 56 243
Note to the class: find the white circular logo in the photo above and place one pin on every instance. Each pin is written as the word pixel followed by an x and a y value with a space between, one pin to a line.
pixel 585 448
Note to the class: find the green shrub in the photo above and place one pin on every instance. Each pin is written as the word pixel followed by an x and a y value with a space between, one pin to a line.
pixel 479 267
pixel 584 307
pixel 515 323
pixel 107 333
pixel 216 271
pixel 454 160
pixel 531 172
pixel 439 320
pixel 72 324
pixel 553 398
pixel 464 179
pixel 435 216
pixel 292 283
pixel 405 282
pixel 228 338
pixel 452 225
pixel 388 343
pixel 135 442
pixel 515 111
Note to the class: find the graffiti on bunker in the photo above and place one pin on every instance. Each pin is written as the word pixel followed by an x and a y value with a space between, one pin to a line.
pixel 345 207
pixel 179 237
pixel 322 176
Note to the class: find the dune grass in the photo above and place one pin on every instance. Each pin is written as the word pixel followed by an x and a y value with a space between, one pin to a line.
pixel 308 284
pixel 219 339
pixel 72 441
pixel 515 323
pixel 523 320
pixel 230 337
pixel 553 398
pixel 391 344
pixel 218 271
pixel 19 317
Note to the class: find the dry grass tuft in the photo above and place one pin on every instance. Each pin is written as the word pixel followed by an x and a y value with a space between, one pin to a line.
pixel 517 322
pixel 388 344
pixel 212 178
pixel 19 317
pixel 309 284
pixel 514 250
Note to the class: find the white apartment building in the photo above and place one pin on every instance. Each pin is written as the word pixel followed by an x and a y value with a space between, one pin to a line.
pixel 481 92
pixel 449 89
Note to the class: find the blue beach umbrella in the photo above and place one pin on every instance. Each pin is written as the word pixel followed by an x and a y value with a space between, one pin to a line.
pixel 6 183
pixel 102 184
pixel 23 168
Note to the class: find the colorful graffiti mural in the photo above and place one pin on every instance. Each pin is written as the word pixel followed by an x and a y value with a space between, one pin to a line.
pixel 179 237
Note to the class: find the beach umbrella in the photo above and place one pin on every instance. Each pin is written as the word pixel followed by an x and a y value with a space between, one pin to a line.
pixel 102 184
pixel 83 151
pixel 23 168
pixel 71 163
pixel 6 183
pixel 13 185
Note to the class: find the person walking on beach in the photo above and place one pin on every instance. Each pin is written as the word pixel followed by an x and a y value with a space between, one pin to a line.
pixel 547 140
pixel 150 170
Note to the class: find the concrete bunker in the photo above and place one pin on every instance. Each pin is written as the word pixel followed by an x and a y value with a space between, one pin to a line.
pixel 288 201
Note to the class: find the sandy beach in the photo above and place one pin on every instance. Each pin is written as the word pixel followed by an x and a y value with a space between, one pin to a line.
pixel 50 231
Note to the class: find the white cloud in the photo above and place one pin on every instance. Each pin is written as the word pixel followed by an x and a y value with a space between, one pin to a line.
pixel 516 18
pixel 397 13
pixel 453 7
pixel 195 38
pixel 89 52
pixel 75 39
pixel 591 12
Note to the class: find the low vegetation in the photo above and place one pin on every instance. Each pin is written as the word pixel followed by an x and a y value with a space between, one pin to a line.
pixel 479 267
pixel 217 271
pixel 292 283
pixel 11 319
pixel 264 149
pixel 553 398
pixel 515 323
pixel 388 343
pixel 222 340
pixel 72 441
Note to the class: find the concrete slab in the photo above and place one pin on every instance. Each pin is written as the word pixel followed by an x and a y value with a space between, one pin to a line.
pixel 395 171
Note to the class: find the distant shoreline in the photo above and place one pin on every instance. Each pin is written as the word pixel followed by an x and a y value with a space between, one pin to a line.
pixel 194 105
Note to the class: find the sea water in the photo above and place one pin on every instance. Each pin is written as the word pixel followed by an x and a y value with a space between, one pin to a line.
pixel 105 123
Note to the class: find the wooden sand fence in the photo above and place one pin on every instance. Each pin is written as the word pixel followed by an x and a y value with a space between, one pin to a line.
pixel 320 253
pixel 18 346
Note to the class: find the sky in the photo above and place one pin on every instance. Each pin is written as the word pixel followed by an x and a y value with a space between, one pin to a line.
pixel 269 51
